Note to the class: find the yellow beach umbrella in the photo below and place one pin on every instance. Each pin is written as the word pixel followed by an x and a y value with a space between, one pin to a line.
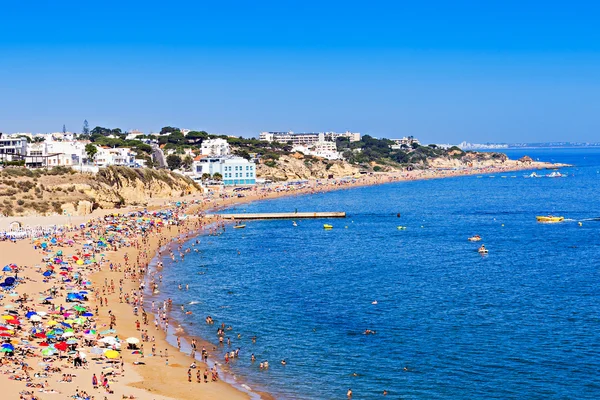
pixel 7 317
pixel 52 322
pixel 111 354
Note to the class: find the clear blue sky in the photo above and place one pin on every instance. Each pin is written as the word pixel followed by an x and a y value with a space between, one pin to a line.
pixel 444 71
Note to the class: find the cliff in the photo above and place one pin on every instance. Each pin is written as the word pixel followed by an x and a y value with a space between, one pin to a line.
pixel 299 167
pixel 61 190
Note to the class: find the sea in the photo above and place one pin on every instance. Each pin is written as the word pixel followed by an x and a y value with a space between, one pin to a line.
pixel 522 322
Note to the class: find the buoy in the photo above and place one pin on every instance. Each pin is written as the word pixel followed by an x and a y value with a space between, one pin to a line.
pixel 502 224
pixel 580 224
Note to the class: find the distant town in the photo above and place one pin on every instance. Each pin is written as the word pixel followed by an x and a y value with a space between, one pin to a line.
pixel 230 160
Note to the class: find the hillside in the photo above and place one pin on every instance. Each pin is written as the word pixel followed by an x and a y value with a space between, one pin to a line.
pixel 60 190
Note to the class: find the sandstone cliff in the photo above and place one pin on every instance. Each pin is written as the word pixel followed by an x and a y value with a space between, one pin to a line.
pixel 298 167
pixel 60 190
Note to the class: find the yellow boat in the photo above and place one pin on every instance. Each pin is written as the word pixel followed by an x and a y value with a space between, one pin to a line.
pixel 550 219
pixel 239 227
pixel 326 226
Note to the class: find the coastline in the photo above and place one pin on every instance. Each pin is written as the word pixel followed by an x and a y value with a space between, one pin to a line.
pixel 155 380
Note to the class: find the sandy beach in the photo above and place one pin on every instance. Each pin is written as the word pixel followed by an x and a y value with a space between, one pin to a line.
pixel 88 282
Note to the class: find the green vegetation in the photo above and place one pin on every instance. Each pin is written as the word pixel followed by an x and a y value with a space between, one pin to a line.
pixel 173 161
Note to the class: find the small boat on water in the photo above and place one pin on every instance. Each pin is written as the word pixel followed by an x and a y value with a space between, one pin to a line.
pixel 533 175
pixel 401 228
pixel 549 219
pixel 294 223
pixel 555 174
pixel 327 226
pixel 239 227
pixel 475 238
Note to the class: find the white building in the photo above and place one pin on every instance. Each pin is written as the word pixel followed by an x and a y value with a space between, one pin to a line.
pixel 406 141
pixel 133 134
pixel 322 149
pixel 107 156
pixel 234 170
pixel 12 148
pixel 215 147
pixel 307 138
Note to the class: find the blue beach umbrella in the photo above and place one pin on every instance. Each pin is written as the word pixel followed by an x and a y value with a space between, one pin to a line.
pixel 47 273
pixel 6 268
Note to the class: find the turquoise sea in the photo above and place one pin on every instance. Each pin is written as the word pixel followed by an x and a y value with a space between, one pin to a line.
pixel 522 322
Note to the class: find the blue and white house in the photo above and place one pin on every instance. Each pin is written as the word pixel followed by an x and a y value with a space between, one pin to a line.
pixel 234 170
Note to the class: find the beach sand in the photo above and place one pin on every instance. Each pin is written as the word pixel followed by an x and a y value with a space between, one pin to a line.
pixel 155 379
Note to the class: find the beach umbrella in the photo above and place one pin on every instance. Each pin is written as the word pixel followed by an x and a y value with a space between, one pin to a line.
pixel 40 335
pixel 47 273
pixel 30 314
pixel 79 308
pixel 3 328
pixel 7 317
pixel 62 346
pixel 132 340
pixel 9 306
pixel 111 354
pixel 48 351
pixel 8 346
pixel 96 350
pixel 108 332
pixel 42 313
pixel 6 268
pixel 35 318
pixel 68 334
pixel 71 341
pixel 66 325
pixel 87 314
pixel 14 322
pixel 5 334
pixel 43 344
pixel 52 322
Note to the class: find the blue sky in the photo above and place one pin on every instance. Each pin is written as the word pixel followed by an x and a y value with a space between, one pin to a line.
pixel 444 71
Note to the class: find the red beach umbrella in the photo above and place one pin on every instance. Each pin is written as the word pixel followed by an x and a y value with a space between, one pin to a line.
pixel 62 346
pixel 43 344
pixel 14 322
pixel 40 335
pixel 4 334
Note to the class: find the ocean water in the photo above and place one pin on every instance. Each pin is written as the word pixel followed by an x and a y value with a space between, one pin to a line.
pixel 522 322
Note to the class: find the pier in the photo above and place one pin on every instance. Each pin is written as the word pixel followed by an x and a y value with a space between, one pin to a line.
pixel 292 215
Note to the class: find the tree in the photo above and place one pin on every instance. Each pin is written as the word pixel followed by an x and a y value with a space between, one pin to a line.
pixel 195 136
pixel 91 151
pixel 86 128
pixel 205 176
pixel 217 176
pixel 168 129
pixel 187 162
pixel 173 161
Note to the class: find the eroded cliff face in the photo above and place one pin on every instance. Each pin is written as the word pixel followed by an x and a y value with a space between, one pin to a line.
pixel 289 168
pixel 38 192
pixel 118 186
